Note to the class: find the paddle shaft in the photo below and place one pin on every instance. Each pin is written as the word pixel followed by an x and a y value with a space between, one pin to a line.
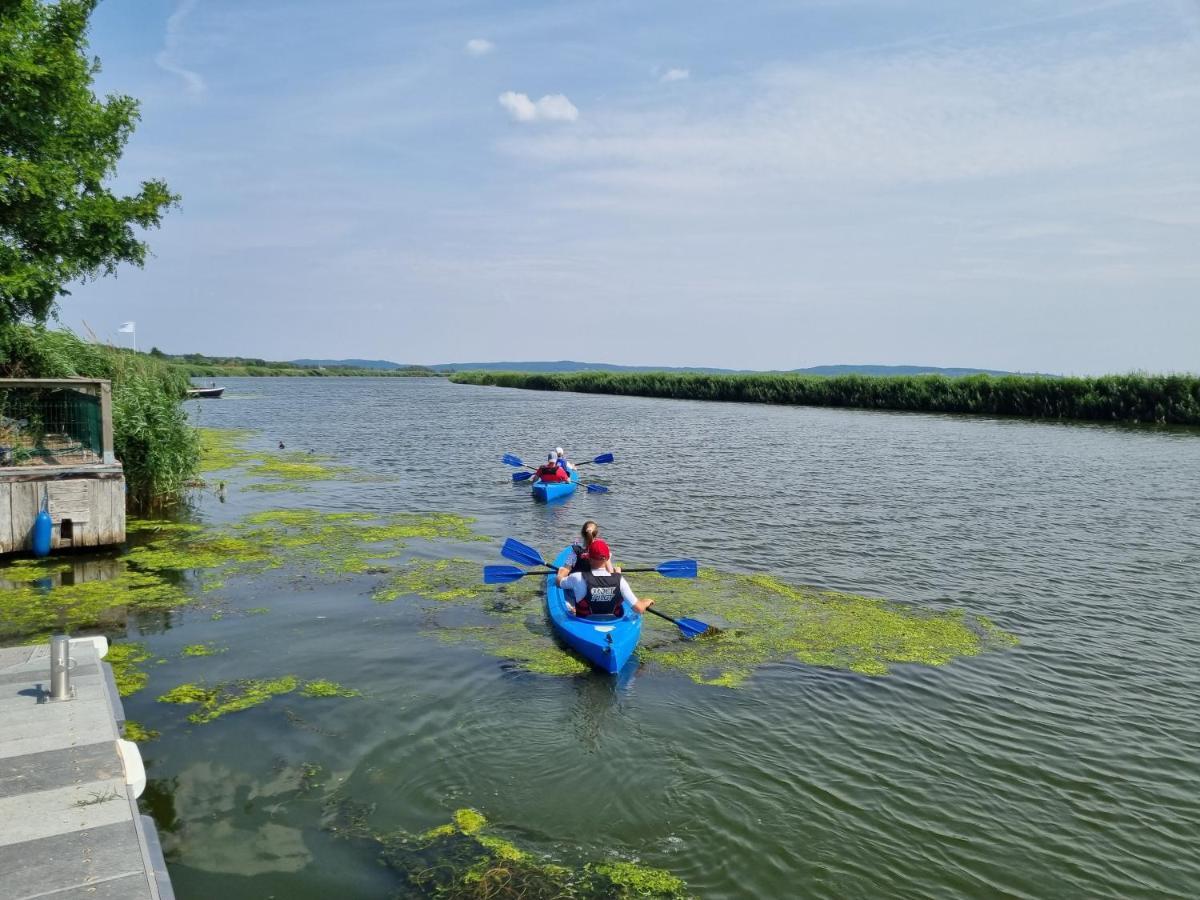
pixel 674 622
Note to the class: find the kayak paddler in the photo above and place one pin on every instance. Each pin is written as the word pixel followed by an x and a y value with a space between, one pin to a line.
pixel 551 472
pixel 596 591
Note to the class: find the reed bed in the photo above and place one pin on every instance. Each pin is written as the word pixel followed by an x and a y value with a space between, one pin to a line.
pixel 1158 399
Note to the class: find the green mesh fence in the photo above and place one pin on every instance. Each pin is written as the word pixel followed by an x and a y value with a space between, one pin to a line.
pixel 49 426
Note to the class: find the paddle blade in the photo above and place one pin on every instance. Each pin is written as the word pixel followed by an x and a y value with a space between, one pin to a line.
pixel 677 568
pixel 522 476
pixel 691 628
pixel 502 574
pixel 509 460
pixel 603 458
pixel 522 553
pixel 597 489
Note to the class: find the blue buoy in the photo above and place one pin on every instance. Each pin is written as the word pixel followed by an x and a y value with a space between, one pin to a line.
pixel 42 529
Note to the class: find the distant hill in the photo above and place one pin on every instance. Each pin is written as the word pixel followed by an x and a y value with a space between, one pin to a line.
pixel 352 363
pixel 567 365
pixel 571 366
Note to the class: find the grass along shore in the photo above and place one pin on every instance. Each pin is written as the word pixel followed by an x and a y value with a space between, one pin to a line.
pixel 1152 399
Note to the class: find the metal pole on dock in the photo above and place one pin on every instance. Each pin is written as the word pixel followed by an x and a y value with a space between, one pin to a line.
pixel 60 667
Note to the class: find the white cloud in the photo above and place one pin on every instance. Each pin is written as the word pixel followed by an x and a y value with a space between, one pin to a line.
pixel 675 75
pixel 479 46
pixel 927 117
pixel 551 108
pixel 165 58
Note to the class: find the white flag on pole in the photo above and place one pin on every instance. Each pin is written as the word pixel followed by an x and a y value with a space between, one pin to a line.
pixel 127 328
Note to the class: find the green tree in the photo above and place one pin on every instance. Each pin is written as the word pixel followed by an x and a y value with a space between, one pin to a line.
pixel 59 144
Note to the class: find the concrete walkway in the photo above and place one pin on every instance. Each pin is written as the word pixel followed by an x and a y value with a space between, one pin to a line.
pixel 69 820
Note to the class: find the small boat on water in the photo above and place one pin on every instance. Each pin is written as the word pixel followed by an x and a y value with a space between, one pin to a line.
pixel 555 490
pixel 607 642
pixel 206 393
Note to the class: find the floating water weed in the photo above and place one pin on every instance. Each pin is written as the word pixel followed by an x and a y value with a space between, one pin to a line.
pixel 139 733
pixel 235 696
pixel 322 688
pixel 29 611
pixel 201 650
pixel 461 860
pixel 769 621
pixel 220 448
pixel 124 659
pixel 228 697
pixel 442 579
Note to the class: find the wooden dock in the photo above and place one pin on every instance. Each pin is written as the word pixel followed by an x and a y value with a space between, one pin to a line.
pixel 70 826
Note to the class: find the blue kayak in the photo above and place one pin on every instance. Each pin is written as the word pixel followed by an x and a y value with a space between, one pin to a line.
pixel 554 490
pixel 606 642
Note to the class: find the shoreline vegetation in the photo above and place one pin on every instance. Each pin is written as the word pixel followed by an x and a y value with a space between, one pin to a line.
pixel 1133 398
pixel 197 365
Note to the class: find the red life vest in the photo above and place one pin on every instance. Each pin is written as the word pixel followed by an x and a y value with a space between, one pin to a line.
pixel 551 473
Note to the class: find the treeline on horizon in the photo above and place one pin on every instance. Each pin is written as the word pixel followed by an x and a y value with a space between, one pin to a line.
pixel 197 365
pixel 1160 399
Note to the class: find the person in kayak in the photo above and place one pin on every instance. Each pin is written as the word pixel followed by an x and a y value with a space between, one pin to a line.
pixel 562 461
pixel 551 473
pixel 599 592
pixel 577 561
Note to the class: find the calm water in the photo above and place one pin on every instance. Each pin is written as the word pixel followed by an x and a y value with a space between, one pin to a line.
pixel 1066 767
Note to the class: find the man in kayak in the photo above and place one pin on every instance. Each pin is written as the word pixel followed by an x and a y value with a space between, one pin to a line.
pixel 595 590
pixel 551 473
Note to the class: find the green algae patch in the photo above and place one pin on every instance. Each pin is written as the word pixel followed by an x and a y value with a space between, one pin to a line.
pixel 235 696
pixel 125 659
pixel 322 688
pixel 221 448
pixel 464 859
pixel 632 880
pixel 201 650
pixel 159 527
pixel 291 466
pixel 27 571
pixel 444 580
pixel 764 620
pixel 139 733
pixel 228 697
pixel 203 550
pixel 31 611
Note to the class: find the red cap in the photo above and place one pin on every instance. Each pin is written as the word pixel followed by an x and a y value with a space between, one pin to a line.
pixel 598 549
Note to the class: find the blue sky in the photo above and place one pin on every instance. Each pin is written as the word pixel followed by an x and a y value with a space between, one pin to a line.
pixel 755 185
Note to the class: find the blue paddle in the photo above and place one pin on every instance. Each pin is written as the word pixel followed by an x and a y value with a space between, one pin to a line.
pixel 672 568
pixel 689 628
pixel 515 461
pixel 526 555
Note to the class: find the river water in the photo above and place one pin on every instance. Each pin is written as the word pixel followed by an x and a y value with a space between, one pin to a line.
pixel 1066 766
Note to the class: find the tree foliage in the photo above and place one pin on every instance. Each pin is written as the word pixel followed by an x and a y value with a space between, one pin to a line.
pixel 59 144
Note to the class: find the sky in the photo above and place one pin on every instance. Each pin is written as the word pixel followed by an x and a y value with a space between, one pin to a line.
pixel 759 184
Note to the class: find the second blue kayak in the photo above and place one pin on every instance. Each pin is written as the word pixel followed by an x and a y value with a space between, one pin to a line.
pixel 606 642
pixel 555 490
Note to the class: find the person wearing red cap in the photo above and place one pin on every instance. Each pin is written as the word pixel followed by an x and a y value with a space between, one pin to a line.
pixel 596 591
pixel 551 472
